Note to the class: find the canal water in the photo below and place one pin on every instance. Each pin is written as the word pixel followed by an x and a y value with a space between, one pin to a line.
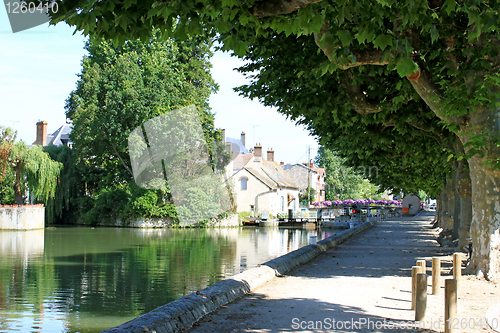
pixel 77 279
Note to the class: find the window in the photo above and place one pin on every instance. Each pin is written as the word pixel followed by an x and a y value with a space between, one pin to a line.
pixel 243 183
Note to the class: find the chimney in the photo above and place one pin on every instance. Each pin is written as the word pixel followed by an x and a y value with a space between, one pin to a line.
pixel 41 133
pixel 257 151
pixel 242 138
pixel 311 165
pixel 270 155
pixel 282 163
pixel 223 135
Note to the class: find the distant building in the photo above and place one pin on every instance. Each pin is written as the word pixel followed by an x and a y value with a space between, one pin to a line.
pixel 236 146
pixel 262 185
pixel 59 138
pixel 300 173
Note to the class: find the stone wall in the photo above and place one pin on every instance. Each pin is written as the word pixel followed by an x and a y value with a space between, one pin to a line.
pixel 150 222
pixel 145 222
pixel 26 217
pixel 230 221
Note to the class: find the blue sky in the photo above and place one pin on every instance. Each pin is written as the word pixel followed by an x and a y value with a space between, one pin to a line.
pixel 39 67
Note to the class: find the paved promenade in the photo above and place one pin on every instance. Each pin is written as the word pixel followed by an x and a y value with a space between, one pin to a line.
pixel 363 285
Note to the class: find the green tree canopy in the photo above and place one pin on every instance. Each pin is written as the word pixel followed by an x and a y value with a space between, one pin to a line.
pixel 122 87
pixel 342 181
pixel 122 90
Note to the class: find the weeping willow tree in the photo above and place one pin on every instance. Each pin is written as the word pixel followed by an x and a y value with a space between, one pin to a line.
pixel 7 139
pixel 69 187
pixel 35 172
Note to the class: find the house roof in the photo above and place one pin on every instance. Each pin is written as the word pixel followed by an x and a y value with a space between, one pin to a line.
pixel 271 174
pixel 241 160
pixel 321 171
pixel 239 144
pixel 289 166
pixel 60 136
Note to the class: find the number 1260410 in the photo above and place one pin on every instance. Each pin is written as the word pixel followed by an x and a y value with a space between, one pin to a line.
pixel 22 7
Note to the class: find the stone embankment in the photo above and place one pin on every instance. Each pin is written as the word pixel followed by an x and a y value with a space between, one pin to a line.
pixel 22 217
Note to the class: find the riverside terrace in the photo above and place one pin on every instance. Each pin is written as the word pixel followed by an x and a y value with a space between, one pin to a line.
pixel 337 217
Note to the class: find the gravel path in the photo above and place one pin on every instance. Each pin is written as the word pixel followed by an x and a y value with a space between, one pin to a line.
pixel 363 285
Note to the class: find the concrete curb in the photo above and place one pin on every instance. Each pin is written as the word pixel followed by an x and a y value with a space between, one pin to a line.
pixel 184 312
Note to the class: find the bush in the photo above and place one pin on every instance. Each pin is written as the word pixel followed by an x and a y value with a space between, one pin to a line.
pixel 7 196
pixel 198 207
pixel 147 203
pixel 109 205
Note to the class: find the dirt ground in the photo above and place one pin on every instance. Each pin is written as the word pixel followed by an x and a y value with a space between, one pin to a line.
pixel 363 285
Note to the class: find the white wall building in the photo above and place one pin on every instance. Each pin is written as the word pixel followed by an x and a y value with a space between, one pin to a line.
pixel 262 185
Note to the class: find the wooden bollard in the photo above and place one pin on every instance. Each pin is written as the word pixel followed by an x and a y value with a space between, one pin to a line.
pixel 450 305
pixel 457 268
pixel 436 275
pixel 414 272
pixel 421 263
pixel 421 300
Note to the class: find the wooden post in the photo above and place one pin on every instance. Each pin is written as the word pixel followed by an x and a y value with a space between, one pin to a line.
pixel 450 305
pixel 436 275
pixel 421 300
pixel 457 268
pixel 414 272
pixel 421 263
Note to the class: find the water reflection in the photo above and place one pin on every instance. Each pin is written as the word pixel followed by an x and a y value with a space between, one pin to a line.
pixel 25 244
pixel 85 280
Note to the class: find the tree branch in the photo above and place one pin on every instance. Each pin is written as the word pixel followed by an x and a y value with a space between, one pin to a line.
pixel 268 8
pixel 359 101
pixel 425 87
pixel 366 57
pixel 121 159
pixel 361 58
pixel 399 155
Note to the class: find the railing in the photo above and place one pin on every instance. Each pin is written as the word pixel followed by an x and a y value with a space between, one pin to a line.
pixel 305 215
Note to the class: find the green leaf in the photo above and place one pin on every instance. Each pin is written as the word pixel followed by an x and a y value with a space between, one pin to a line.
pixel 449 6
pixel 128 3
pixel 361 36
pixel 434 34
pixel 406 66
pixel 345 37
pixel 383 41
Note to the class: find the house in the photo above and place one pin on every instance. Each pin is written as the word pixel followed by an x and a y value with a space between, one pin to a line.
pixel 300 173
pixel 262 185
pixel 59 138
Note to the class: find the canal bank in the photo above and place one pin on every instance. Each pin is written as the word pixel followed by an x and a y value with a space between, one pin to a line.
pixel 362 285
pixel 188 310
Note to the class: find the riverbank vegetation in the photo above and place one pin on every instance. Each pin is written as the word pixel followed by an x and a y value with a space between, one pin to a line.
pixel 119 89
